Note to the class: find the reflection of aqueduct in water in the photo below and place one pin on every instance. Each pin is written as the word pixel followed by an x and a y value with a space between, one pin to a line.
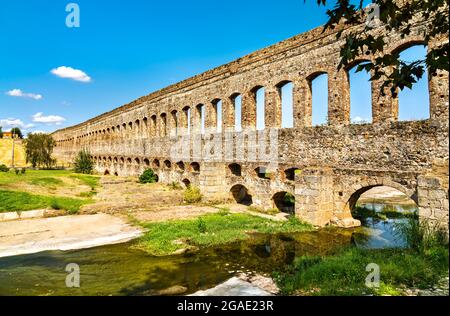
pixel 325 167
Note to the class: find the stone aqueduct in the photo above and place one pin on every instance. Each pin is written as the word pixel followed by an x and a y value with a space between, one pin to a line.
pixel 325 167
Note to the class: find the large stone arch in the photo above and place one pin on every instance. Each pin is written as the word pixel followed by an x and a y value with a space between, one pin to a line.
pixel 352 196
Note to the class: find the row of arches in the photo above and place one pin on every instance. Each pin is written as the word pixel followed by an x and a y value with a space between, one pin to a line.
pixel 275 106
pixel 145 162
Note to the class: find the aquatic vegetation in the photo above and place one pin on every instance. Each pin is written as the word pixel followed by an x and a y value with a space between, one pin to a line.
pixel 344 273
pixel 209 230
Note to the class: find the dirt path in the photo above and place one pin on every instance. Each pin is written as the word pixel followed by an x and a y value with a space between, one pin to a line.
pixel 121 195
pixel 63 233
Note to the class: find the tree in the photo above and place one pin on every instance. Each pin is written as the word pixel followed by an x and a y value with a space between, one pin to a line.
pixel 39 149
pixel 1 132
pixel 83 162
pixel 400 16
pixel 16 132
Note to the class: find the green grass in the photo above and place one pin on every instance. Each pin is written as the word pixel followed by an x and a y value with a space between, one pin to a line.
pixel 22 201
pixel 210 230
pixel 91 181
pixel 46 181
pixel 344 273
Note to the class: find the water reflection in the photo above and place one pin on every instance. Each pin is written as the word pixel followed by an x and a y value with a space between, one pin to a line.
pixel 379 229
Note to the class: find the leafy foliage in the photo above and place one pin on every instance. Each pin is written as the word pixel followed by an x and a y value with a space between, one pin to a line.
pixel 401 17
pixel 39 149
pixel 83 162
pixel 192 194
pixel 17 132
pixel 4 168
pixel 148 176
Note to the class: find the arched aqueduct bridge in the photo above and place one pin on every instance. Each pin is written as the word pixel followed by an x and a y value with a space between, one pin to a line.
pixel 208 130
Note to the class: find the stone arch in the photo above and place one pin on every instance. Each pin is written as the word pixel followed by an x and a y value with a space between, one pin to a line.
pixel 363 114
pixel 216 117
pixel 200 118
pixel 163 131
pixel 408 105
pixel 235 169
pixel 153 126
pixel 289 173
pixel 156 164
pixel 234 112
pixel 241 194
pixel 284 202
pixel 283 104
pixel 261 172
pixel 255 108
pixel 186 120
pixel 147 162
pixel 186 182
pixel 174 123
pixel 167 164
pixel 194 167
pixel 314 113
pixel 352 197
pixel 106 173
pixel 180 166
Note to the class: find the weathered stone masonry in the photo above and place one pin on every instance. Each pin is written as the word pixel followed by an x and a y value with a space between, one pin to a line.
pixel 326 167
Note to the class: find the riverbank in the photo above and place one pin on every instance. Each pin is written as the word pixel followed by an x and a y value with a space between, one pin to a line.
pixel 63 233
pixel 223 227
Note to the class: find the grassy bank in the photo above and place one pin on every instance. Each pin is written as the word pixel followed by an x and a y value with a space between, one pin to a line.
pixel 345 273
pixel 421 265
pixel 210 230
pixel 11 201
pixel 38 189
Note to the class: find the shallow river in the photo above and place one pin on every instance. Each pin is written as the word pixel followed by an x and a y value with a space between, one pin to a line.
pixel 119 270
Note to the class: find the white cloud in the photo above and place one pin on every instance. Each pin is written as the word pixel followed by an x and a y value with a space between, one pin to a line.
pixel 21 94
pixel 13 122
pixel 71 73
pixel 49 119
pixel 359 120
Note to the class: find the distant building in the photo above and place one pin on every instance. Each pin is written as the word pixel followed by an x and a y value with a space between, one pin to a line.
pixel 8 135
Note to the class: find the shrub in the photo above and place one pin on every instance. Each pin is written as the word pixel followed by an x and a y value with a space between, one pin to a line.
pixel 201 226
pixel 23 170
pixel 55 205
pixel 17 171
pixel 83 163
pixel 192 194
pixel 148 176
pixel 4 168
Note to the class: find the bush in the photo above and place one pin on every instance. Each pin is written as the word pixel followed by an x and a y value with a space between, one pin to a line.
pixel 4 168
pixel 192 194
pixel 17 171
pixel 83 163
pixel 23 170
pixel 148 176
pixel 201 226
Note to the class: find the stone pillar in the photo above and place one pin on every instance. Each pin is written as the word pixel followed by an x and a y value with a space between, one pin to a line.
pixel 228 117
pixel 384 104
pixel 338 98
pixel 248 110
pixel 272 107
pixel 432 195
pixel 314 195
pixel 302 106
pixel 211 116
pixel 438 88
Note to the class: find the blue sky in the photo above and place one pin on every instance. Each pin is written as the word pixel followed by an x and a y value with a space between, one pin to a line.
pixel 129 49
